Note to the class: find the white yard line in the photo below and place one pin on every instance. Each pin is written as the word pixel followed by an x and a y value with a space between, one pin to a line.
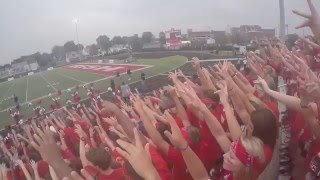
pixel 27 89
pixel 48 82
pixel 69 77
pixel 147 66
pixel 83 84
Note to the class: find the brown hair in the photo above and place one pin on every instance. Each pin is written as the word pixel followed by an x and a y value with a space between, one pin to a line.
pixel 265 126
pixel 194 134
pixel 99 157
pixel 270 81
pixel 211 94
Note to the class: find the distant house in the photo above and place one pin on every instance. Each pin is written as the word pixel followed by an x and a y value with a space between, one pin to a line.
pixel 5 70
pixel 117 48
pixel 247 33
pixel 152 45
pixel 19 67
pixel 73 56
pixel 199 35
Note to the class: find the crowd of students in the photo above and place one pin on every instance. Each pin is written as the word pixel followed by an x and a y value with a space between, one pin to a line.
pixel 224 124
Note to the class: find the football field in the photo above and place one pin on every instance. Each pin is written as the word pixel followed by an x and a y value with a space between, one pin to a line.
pixel 40 85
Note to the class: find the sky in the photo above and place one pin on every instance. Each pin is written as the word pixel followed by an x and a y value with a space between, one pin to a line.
pixel 29 26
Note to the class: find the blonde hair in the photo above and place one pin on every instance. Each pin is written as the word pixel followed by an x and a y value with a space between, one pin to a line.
pixel 255 147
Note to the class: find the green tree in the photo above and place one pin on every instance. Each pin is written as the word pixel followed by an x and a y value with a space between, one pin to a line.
pixel 70 46
pixel 117 40
pixel 146 37
pixel 103 42
pixel 135 43
pixel 80 47
pixel 58 52
pixel 162 38
pixel 44 59
pixel 93 49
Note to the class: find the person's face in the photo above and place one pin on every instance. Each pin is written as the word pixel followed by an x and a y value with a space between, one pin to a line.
pixel 231 162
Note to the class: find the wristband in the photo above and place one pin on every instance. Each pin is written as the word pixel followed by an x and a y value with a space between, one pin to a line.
pixel 184 149
pixel 83 139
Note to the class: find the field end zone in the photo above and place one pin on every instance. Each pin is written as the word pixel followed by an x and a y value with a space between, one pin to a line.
pixel 105 69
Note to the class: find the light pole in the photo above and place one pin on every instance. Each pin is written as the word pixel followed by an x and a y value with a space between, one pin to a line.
pixel 282 30
pixel 75 21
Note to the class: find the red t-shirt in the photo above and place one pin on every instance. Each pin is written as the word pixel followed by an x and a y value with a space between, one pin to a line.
pixel 314 150
pixel 300 132
pixel 160 164
pixel 70 137
pixel 179 170
pixel 208 150
pixel 117 174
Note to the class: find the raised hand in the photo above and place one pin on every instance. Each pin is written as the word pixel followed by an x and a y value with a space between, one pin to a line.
pixel 3 170
pixel 263 84
pixel 33 164
pixel 175 136
pixel 112 121
pixel 80 131
pixel 313 19
pixel 223 92
pixel 136 155
pixel 45 144
pixel 195 62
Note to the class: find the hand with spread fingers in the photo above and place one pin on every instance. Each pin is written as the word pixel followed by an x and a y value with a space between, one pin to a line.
pixel 3 170
pixel 175 136
pixel 34 166
pixel 136 155
pixel 312 20
pixel 223 92
pixel 45 144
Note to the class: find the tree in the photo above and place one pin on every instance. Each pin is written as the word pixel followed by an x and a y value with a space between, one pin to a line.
pixel 146 37
pixel 103 42
pixel 162 38
pixel 58 52
pixel 125 39
pixel 70 46
pixel 93 49
pixel 44 59
pixel 80 47
pixel 117 40
pixel 135 43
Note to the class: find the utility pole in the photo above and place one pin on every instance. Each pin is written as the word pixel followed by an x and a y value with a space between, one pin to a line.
pixel 282 21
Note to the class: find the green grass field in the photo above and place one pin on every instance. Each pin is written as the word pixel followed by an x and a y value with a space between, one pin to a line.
pixel 38 86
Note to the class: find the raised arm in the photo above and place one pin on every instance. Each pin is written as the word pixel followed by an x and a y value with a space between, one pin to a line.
pixel 290 101
pixel 194 164
pixel 233 124
pixel 146 117
pixel 123 120
pixel 213 124
pixel 82 150
pixel 181 110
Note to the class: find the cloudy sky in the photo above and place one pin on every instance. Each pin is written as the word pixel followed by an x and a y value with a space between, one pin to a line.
pixel 28 26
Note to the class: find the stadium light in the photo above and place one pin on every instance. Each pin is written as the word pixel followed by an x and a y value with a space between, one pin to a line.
pixel 75 21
